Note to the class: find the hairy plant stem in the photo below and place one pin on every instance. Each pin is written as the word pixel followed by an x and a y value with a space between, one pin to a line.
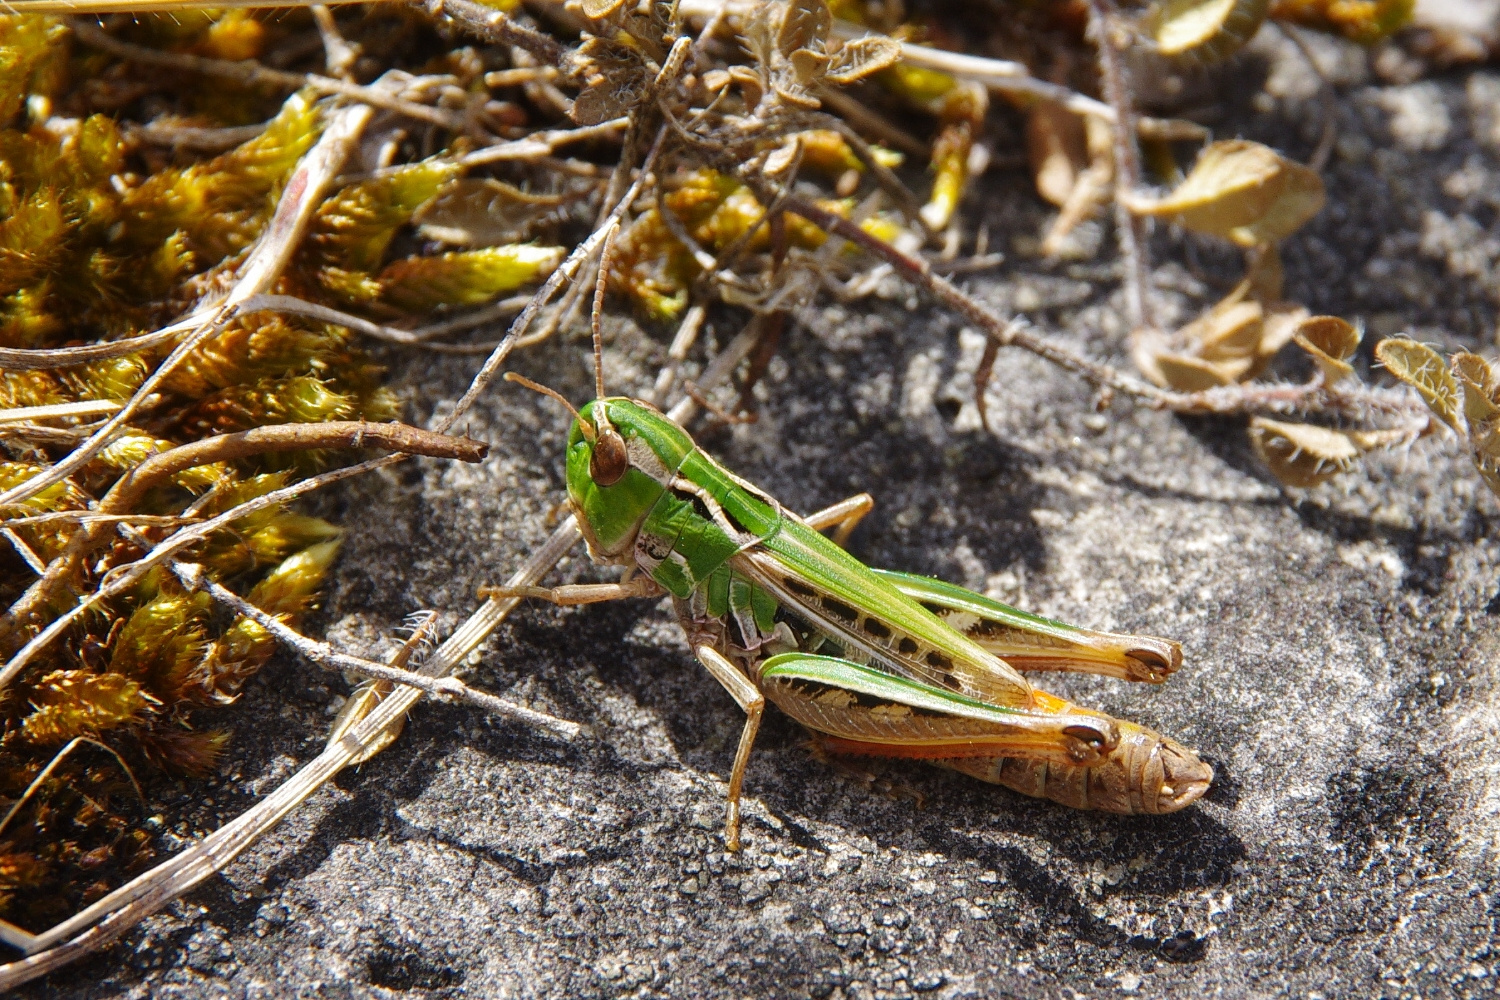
pixel 1130 228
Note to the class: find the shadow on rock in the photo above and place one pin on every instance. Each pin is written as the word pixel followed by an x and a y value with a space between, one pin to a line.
pixel 1058 904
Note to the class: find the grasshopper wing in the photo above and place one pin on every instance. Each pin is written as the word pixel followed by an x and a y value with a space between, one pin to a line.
pixel 1031 642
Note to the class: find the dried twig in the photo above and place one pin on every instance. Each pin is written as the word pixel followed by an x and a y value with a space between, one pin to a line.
pixel 286 437
pixel 88 516
pixel 494 26
pixel 199 139
pixel 874 125
pixel 379 331
pixel 542 144
pixel 22 359
pixel 324 655
pixel 1249 398
pixel 250 73
pixel 261 440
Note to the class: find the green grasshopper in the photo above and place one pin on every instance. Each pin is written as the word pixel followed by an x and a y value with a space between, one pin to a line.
pixel 875 663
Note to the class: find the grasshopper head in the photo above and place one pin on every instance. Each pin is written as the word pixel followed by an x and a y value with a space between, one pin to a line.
pixel 622 455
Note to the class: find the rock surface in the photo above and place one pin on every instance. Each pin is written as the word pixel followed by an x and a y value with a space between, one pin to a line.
pixel 1342 670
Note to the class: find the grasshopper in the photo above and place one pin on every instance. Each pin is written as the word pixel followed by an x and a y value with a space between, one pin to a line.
pixel 873 662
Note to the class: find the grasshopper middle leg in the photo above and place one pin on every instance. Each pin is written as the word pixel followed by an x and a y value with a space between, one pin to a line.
pixel 754 704
pixel 844 515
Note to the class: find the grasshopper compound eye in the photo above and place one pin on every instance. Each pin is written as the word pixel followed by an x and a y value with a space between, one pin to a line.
pixel 609 461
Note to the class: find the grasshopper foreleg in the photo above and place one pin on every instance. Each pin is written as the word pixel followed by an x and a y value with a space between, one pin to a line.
pixel 749 699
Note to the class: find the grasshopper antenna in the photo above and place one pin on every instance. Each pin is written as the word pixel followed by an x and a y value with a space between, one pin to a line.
pixel 609 461
pixel 583 425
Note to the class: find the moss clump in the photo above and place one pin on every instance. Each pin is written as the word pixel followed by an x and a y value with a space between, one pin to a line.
pixel 103 238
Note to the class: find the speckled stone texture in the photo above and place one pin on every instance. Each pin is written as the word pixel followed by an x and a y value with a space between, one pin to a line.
pixel 1341 666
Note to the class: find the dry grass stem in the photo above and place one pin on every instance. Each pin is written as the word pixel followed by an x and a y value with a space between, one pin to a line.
pixel 55 411
pixel 446 688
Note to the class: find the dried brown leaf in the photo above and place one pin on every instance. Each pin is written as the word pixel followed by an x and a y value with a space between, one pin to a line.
pixel 1207 30
pixel 1231 330
pixel 1302 454
pixel 1186 373
pixel 858 59
pixel 1329 339
pixel 1420 367
pixel 808 66
pixel 1280 327
pixel 1242 191
pixel 1480 407
pixel 804 26
pixel 597 9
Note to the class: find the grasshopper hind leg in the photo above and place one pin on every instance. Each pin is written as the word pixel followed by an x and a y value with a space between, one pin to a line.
pixel 754 704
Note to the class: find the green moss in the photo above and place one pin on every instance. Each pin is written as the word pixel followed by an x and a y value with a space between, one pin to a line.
pixel 95 245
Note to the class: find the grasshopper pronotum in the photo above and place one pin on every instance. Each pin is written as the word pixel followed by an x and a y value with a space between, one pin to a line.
pixel 874 663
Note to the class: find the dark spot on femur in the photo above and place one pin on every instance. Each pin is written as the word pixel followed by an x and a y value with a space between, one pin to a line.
pixel 907 646
pixel 799 588
pixel 951 682
pixel 840 610
pixel 877 628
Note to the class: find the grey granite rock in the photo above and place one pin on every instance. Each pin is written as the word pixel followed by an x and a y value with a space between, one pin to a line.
pixel 1341 671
